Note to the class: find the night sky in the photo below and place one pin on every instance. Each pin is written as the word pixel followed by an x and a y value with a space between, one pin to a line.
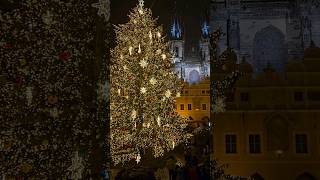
pixel 191 13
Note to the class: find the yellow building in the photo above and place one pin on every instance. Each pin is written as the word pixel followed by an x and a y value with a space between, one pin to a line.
pixel 271 128
pixel 194 102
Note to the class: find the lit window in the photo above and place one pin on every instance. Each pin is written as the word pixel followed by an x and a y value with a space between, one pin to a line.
pixel 181 106
pixel 254 143
pixel 301 143
pixel 231 144
pixel 204 107
pixel 189 106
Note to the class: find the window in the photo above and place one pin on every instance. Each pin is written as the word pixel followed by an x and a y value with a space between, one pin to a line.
pixel 298 96
pixel 314 96
pixel 204 107
pixel 231 144
pixel 301 143
pixel 186 92
pixel 254 143
pixel 203 92
pixel 181 106
pixel 189 106
pixel 208 92
pixel 177 52
pixel 244 97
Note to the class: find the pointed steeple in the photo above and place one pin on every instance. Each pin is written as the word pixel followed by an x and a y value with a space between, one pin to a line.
pixel 205 30
pixel 176 32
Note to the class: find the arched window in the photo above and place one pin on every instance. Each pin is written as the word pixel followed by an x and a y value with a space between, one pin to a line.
pixel 194 77
pixel 269 47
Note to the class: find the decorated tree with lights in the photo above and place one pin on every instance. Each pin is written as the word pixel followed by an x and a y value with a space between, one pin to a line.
pixel 143 91
pixel 47 126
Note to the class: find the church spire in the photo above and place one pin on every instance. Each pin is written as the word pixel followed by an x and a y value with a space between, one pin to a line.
pixel 176 31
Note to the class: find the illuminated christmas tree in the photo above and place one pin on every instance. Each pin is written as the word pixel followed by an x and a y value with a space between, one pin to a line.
pixel 143 91
pixel 47 126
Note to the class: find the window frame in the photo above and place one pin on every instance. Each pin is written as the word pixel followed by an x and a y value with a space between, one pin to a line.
pixel 249 144
pixel 306 143
pixel 235 148
pixel 181 107
pixel 189 105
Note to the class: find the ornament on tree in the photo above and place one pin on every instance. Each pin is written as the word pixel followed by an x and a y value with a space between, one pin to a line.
pixel 159 34
pixel 47 18
pixel 103 8
pixel 134 114
pixel 168 94
pixel 29 95
pixel 130 50
pixel 143 90
pixel 77 167
pixel 158 51
pixel 65 55
pixel 219 105
pixel 163 56
pixel 138 158
pixel 153 81
pixel 150 37
pixel 158 121
pixel 178 95
pixel 54 112
pixel 143 63
pixel 139 49
pixel 52 99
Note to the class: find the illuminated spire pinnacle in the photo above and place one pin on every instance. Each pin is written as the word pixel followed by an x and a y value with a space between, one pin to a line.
pixel 176 31
pixel 205 29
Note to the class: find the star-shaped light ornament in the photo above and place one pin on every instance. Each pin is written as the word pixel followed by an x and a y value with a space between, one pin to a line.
pixel 168 94
pixel 77 167
pixel 134 114
pixel 47 18
pixel 143 63
pixel 138 158
pixel 143 90
pixel 178 95
pixel 103 8
pixel 153 81
pixel 125 67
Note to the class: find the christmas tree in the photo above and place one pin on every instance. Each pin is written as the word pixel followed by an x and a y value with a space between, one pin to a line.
pixel 143 91
pixel 48 127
